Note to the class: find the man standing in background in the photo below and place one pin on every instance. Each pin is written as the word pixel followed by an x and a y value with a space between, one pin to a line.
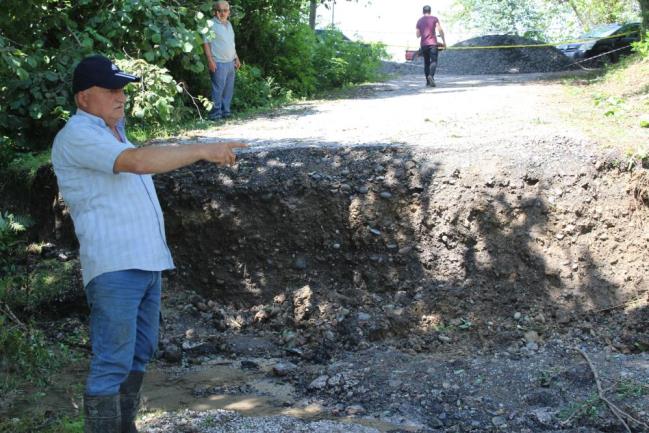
pixel 222 60
pixel 428 27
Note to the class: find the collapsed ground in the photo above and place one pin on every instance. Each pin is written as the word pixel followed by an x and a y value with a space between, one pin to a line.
pixel 406 259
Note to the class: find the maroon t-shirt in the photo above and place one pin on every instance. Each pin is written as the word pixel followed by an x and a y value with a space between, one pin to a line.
pixel 426 26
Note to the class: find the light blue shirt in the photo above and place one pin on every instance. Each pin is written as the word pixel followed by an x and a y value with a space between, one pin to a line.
pixel 117 217
pixel 222 46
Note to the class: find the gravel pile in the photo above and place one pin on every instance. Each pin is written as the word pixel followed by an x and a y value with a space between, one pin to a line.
pixel 487 61
pixel 501 61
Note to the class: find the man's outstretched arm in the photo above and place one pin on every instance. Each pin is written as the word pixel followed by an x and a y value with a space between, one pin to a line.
pixel 154 159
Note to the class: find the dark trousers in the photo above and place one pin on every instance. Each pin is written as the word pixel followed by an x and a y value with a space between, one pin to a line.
pixel 430 53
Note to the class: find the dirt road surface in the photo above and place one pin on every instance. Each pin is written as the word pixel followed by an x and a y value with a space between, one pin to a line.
pixel 483 122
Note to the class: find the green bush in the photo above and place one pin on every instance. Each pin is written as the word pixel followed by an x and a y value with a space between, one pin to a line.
pixel 295 64
pixel 642 47
pixel 42 423
pixel 11 229
pixel 344 62
pixel 155 100
pixel 48 282
pixel 41 43
pixel 252 90
pixel 24 354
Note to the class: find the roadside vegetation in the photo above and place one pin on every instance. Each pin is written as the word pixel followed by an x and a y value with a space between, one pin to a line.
pixel 612 106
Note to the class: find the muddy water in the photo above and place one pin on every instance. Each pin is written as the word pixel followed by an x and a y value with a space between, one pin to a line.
pixel 198 389
pixel 217 386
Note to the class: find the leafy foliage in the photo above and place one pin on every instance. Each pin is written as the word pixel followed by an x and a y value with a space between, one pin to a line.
pixel 24 353
pixel 509 17
pixel 40 44
pixel 43 423
pixel 543 19
pixel 11 228
pixel 642 47
pixel 162 41
pixel 343 62
pixel 253 90
pixel 156 98
pixel 48 282
pixel 593 12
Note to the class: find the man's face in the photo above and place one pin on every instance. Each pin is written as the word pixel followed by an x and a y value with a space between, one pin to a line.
pixel 107 104
pixel 222 11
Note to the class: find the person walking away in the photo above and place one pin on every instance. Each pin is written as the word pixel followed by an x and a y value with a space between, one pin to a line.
pixel 222 60
pixel 106 183
pixel 428 27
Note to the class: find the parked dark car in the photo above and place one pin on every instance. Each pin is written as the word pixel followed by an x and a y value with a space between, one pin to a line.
pixel 602 39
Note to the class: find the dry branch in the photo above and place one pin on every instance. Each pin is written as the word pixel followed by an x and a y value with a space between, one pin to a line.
pixel 619 413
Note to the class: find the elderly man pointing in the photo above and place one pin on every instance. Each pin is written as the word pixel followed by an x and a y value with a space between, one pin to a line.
pixel 107 184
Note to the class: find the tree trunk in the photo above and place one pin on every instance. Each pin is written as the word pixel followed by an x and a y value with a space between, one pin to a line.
pixel 585 22
pixel 644 11
pixel 313 6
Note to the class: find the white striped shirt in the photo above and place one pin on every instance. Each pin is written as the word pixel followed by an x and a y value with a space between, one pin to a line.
pixel 117 217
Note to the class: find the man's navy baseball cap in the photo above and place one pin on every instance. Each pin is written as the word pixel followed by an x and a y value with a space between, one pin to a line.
pixel 98 71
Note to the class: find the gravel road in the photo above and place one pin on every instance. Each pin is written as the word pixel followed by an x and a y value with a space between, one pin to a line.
pixel 487 122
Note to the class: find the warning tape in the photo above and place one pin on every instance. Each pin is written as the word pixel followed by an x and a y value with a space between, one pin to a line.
pixel 554 44
pixel 590 59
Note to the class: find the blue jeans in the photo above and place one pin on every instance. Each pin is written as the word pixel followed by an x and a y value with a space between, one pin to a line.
pixel 222 89
pixel 124 325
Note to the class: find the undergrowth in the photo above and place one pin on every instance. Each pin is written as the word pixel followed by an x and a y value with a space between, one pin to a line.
pixel 613 108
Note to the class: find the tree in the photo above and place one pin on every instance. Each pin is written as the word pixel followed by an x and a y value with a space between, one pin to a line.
pixel 518 17
pixel 313 7
pixel 644 11
pixel 592 12
pixel 535 17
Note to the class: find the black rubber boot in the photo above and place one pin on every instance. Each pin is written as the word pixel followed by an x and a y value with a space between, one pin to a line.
pixel 102 414
pixel 129 393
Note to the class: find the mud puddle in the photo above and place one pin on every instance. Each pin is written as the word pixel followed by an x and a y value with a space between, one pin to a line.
pixel 224 385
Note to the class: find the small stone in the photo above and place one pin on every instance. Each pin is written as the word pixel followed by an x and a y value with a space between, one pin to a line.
pixel 517 316
pixel 499 421
pixel 299 263
pixel 385 194
pixel 319 383
pixel 363 317
pixel 249 365
pixel 172 353
pixel 355 409
pixel 543 416
pixel 284 369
